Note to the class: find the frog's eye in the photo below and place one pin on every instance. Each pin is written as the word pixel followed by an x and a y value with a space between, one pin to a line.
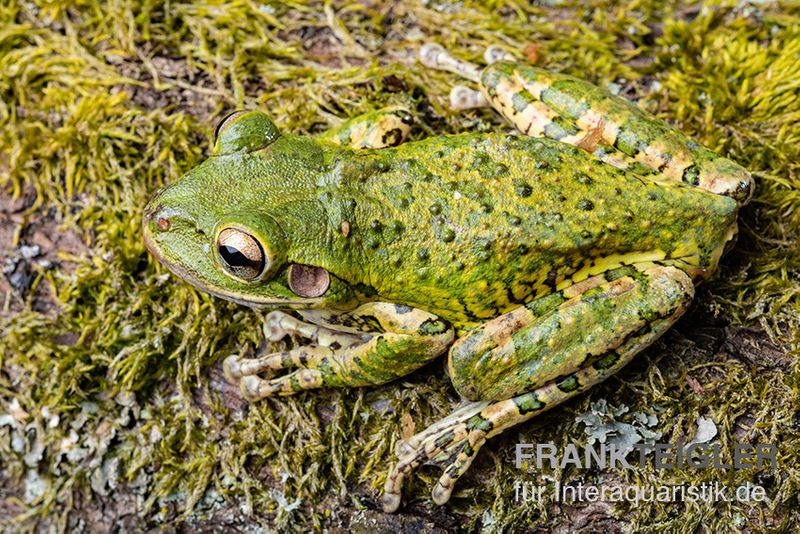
pixel 240 254
pixel 244 131
pixel 227 121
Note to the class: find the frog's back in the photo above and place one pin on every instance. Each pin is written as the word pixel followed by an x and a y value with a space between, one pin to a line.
pixel 470 226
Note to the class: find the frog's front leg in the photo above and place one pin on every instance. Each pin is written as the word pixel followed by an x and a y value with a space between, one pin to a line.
pixel 377 129
pixel 535 357
pixel 321 342
pixel 373 344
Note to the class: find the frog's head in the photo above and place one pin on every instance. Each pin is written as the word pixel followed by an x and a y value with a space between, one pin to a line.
pixel 245 225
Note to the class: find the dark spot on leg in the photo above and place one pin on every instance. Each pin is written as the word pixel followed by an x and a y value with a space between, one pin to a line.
pixel 627 142
pixel 528 403
pixel 393 137
pixel 606 361
pixel 568 384
pixel 444 439
pixel 559 128
pixel 478 422
pixel 691 175
pixel 433 327
pixel 520 101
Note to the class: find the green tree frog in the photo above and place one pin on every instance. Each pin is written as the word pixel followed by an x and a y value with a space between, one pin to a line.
pixel 539 263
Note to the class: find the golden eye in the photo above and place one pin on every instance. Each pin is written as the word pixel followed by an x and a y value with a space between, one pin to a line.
pixel 240 254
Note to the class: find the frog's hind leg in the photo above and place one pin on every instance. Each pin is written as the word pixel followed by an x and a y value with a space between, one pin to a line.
pixel 529 119
pixel 434 56
pixel 455 444
pixel 543 103
pixel 549 104
pixel 375 343
pixel 536 357
pixel 500 91
pixel 377 129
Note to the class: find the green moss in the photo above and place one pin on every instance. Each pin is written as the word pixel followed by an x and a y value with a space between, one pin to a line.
pixel 110 366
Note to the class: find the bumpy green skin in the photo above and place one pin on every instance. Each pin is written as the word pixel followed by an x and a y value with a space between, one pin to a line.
pixel 543 264
pixel 469 227
pixel 466 227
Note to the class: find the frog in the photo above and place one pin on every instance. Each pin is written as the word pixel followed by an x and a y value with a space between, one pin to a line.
pixel 538 262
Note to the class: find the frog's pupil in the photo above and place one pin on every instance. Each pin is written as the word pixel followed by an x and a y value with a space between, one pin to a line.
pixel 232 256
pixel 240 254
pixel 235 258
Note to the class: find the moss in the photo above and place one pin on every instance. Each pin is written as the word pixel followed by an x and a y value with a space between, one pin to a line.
pixel 110 367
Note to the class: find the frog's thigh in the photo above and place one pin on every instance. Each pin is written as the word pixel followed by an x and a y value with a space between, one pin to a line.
pixel 592 335
pixel 512 98
pixel 399 340
pixel 378 129
pixel 523 349
pixel 550 104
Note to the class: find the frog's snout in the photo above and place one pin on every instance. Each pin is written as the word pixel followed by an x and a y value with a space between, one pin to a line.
pixel 160 214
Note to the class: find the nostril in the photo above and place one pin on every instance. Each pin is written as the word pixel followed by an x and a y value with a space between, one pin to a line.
pixel 163 224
